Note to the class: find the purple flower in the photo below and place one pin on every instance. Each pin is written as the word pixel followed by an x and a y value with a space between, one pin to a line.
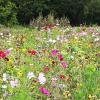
pixel 44 91
pixel 8 51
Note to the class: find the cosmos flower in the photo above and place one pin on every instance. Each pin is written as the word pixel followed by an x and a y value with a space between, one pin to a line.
pixel 2 54
pixel 30 75
pixel 42 78
pixel 14 83
pixel 64 64
pixel 54 52
pixel 8 51
pixel 60 57
pixel 83 33
pixel 44 91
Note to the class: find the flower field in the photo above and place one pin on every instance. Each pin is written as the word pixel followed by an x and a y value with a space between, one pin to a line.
pixel 51 63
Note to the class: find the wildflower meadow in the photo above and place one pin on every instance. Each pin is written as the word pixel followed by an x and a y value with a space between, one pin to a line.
pixel 50 63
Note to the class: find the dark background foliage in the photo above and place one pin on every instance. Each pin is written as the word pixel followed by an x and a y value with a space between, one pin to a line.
pixel 77 11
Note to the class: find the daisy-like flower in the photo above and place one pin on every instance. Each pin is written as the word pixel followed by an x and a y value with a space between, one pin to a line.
pixel 30 75
pixel 20 73
pixel 44 91
pixel 14 83
pixel 42 78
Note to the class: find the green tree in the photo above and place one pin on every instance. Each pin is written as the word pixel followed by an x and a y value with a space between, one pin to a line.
pixel 7 12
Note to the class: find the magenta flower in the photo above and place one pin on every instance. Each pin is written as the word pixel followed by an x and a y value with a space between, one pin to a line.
pixel 44 91
pixel 60 57
pixel 64 64
pixel 54 52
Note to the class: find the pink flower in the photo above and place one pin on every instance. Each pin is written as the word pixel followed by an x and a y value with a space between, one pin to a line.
pixel 7 52
pixel 83 33
pixel 64 64
pixel 54 52
pixel 44 91
pixel 60 57
pixel 14 83
pixel 42 78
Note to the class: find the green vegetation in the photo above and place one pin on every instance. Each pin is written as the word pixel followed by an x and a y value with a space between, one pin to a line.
pixel 49 63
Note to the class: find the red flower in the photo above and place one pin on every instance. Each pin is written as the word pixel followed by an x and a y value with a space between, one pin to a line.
pixel 2 55
pixel 32 52
pixel 62 76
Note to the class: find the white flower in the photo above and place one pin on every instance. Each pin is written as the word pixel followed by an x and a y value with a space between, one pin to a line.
pixel 42 78
pixel 71 57
pixel 4 76
pixel 96 39
pixel 50 40
pixel 30 75
pixel 58 38
pixel 1 33
pixel 4 86
pixel 53 41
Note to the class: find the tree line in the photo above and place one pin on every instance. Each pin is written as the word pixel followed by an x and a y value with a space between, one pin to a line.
pixel 22 11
